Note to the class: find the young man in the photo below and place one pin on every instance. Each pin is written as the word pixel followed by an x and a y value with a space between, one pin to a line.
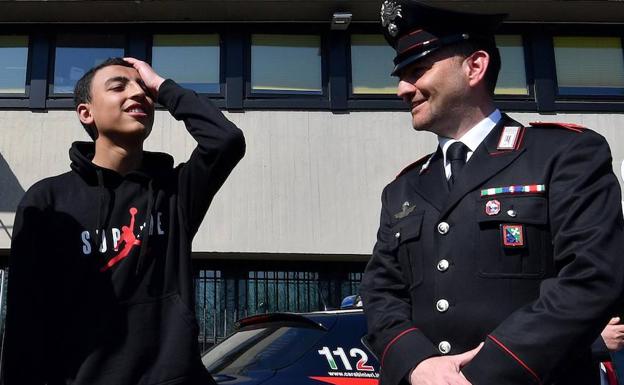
pixel 498 256
pixel 101 287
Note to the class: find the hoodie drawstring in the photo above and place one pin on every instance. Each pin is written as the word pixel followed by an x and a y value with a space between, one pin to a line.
pixel 148 227
pixel 99 225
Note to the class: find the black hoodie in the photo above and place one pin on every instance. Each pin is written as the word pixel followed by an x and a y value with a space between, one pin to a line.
pixel 100 280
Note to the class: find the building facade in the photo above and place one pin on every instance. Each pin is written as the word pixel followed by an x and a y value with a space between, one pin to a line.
pixel 308 82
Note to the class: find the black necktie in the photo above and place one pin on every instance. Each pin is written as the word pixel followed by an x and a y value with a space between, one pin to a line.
pixel 456 155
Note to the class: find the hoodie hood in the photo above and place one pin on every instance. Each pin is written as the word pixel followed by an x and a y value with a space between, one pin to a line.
pixel 81 156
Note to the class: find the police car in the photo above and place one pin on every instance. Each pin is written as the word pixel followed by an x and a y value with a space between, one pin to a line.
pixel 315 348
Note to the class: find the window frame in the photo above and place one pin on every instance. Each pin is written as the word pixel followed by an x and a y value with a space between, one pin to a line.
pixel 368 102
pixel 548 97
pixel 353 95
pixel 528 72
pixel 171 30
pixel 235 49
pixel 252 100
pixel 584 97
pixel 138 44
pixel 26 93
pixel 60 101
pixel 527 102
pixel 21 100
pixel 52 67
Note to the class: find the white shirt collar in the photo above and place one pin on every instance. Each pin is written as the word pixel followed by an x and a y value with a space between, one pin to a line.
pixel 472 138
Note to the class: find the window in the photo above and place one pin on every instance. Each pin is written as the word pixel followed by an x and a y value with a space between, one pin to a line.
pixel 13 61
pixel 286 64
pixel 512 77
pixel 76 54
pixel 191 60
pixel 589 65
pixel 371 65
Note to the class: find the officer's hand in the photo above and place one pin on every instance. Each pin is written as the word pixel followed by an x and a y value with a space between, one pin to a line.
pixel 151 79
pixel 613 335
pixel 445 370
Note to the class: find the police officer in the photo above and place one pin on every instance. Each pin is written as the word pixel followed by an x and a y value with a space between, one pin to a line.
pixel 496 259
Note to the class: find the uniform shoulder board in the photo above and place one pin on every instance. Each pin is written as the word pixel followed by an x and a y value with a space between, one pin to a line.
pixel 567 126
pixel 414 165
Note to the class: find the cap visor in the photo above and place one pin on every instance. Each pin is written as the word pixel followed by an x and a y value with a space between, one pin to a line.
pixel 410 60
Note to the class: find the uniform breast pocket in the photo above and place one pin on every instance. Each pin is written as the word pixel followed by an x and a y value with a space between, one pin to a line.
pixel 407 234
pixel 513 237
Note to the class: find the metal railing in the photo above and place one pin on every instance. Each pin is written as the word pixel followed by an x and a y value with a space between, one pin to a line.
pixel 223 297
pixel 227 294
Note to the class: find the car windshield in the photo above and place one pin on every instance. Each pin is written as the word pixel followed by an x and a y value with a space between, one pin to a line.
pixel 261 347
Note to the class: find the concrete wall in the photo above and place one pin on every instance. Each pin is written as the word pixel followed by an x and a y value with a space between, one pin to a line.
pixel 310 182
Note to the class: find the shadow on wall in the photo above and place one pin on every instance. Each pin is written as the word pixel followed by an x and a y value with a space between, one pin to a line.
pixel 11 191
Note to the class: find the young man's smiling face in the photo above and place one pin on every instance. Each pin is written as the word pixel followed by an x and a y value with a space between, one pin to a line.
pixel 120 106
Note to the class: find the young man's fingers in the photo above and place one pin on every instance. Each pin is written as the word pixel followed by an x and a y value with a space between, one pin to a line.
pixel 147 73
pixel 139 65
pixel 132 60
pixel 136 63
pixel 614 320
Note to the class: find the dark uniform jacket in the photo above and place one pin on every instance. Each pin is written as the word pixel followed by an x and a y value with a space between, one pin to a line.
pixel 535 270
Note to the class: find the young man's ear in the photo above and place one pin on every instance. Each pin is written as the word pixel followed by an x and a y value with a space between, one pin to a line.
pixel 84 113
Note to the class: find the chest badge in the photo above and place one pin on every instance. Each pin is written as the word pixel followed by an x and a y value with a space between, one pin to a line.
pixel 513 235
pixel 492 207
pixel 406 209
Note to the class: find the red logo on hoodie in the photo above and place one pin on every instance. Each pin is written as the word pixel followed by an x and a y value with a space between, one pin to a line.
pixel 130 240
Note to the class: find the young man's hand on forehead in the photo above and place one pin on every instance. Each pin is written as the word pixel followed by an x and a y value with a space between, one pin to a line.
pixel 151 79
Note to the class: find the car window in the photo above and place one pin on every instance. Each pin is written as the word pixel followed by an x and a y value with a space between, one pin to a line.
pixel 261 347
